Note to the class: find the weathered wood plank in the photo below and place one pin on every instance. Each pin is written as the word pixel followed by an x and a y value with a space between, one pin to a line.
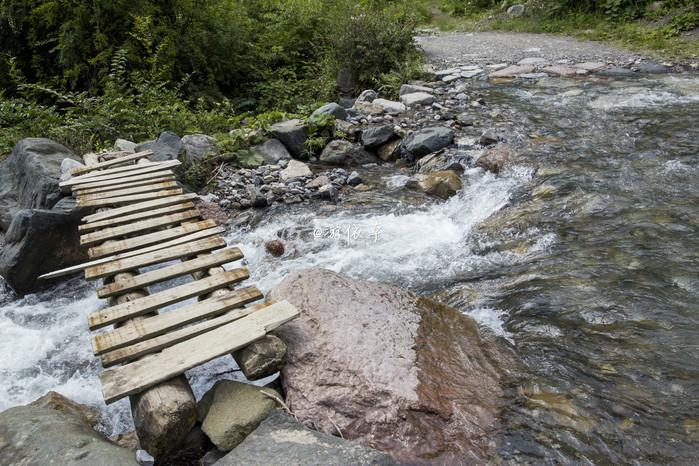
pixel 146 188
pixel 112 162
pixel 119 173
pixel 138 227
pixel 156 343
pixel 173 271
pixel 120 186
pixel 138 252
pixel 155 257
pixel 139 216
pixel 164 298
pixel 136 376
pixel 157 325
pixel 126 180
pixel 113 201
pixel 140 207
pixel 119 246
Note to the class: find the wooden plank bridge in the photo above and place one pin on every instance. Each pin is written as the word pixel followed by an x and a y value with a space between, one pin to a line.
pixel 146 220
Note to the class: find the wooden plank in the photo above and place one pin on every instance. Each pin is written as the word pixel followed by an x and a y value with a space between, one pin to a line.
pixel 173 271
pixel 146 188
pixel 164 298
pixel 140 207
pixel 121 172
pixel 115 247
pixel 120 186
pixel 155 257
pixel 162 323
pixel 137 252
pixel 112 201
pixel 139 216
pixel 138 227
pixel 111 163
pixel 126 180
pixel 139 375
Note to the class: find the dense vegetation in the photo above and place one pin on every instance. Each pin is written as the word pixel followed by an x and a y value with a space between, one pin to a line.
pixel 87 72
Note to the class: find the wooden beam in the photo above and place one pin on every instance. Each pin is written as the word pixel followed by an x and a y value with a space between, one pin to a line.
pixel 138 252
pixel 119 246
pixel 119 173
pixel 162 323
pixel 155 257
pixel 140 207
pixel 173 271
pixel 138 227
pixel 163 298
pixel 111 163
pixel 146 188
pixel 120 186
pixel 126 180
pixel 113 201
pixel 139 216
pixel 175 360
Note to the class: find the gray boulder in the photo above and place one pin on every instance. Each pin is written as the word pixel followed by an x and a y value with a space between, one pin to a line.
pixel 488 137
pixel 426 141
pixel 167 147
pixel 38 226
pixel 282 440
pixel 272 151
pixel 367 95
pixel 333 109
pixel 411 88
pixel 38 436
pixel 419 381
pixel 617 71
pixel 263 357
pixel 124 145
pixel 376 136
pixel 341 152
pixel 389 106
pixel 652 68
pixel 198 146
pixel 515 11
pixel 295 170
pixel 417 98
pixel 293 134
pixel 231 410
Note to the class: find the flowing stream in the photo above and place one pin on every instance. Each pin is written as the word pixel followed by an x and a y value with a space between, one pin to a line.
pixel 583 257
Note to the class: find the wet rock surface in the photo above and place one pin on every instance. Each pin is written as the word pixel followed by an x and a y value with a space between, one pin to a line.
pixel 432 396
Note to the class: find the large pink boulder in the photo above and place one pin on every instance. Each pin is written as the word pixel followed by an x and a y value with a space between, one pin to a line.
pixel 397 372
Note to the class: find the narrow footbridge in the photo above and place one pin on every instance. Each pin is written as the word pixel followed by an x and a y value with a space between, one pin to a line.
pixel 144 220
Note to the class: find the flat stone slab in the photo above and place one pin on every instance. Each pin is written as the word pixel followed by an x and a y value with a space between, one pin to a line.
pixel 471 73
pixel 512 71
pixel 447 72
pixel 561 70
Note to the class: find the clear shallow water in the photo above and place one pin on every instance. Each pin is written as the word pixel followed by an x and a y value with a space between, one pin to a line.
pixel 583 257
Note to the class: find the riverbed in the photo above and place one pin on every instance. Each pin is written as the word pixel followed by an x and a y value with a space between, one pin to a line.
pixel 583 256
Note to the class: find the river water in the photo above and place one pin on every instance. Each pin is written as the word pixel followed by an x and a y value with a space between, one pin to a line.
pixel 583 256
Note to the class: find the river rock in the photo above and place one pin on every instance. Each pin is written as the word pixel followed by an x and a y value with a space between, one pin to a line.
pixel 265 356
pixel 495 158
pixel 231 410
pixel 590 66
pixel 652 68
pixel 124 145
pixel 167 147
pixel 390 106
pixel 294 170
pixel 368 108
pixel 411 88
pixel 488 137
pixel 417 98
pixel 38 226
pixel 282 440
pixel 198 146
pixel 346 130
pixel 390 151
pixel 395 371
pixel 38 436
pixel 376 136
pixel 293 134
pixel 426 141
pixel 52 400
pixel 616 71
pixel 272 151
pixel 442 184
pixel 561 70
pixel 341 152
pixel 333 109
pixel 512 71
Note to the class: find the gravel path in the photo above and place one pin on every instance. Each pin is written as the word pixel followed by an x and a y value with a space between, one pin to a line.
pixel 448 49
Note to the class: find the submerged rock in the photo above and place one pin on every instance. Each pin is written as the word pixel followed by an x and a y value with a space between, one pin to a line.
pixel 495 158
pixel 280 440
pixel 231 410
pixel 38 436
pixel 38 226
pixel 397 372
pixel 442 184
